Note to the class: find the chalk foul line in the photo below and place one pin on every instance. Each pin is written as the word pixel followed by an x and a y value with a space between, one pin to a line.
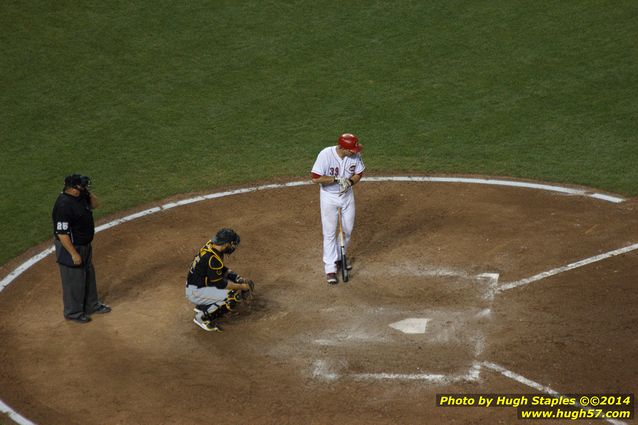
pixel 535 385
pixel 501 182
pixel 15 416
pixel 571 266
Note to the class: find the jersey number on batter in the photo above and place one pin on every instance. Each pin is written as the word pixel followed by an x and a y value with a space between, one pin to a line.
pixel 334 171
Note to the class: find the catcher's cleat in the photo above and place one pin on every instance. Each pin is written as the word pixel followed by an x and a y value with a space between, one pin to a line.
pixel 200 316
pixel 332 278
pixel 207 325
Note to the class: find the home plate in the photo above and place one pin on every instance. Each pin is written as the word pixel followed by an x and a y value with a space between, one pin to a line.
pixel 411 326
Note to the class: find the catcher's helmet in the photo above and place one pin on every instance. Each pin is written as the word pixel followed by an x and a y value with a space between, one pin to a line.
pixel 226 235
pixel 350 142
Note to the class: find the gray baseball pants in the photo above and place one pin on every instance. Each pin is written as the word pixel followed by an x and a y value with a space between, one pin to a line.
pixel 79 290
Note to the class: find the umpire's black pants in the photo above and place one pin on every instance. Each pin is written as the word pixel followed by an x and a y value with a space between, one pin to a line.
pixel 79 290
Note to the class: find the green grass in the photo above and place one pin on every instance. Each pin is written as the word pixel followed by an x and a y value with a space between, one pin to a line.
pixel 157 98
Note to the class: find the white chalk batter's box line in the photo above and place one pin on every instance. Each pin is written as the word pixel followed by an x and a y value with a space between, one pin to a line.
pixel 496 182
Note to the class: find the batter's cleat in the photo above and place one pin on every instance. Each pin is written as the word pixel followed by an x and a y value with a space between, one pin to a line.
pixel 332 278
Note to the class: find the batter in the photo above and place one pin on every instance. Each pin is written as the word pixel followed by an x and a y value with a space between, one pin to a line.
pixel 336 170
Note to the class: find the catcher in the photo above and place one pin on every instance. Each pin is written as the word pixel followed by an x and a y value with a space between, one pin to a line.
pixel 213 287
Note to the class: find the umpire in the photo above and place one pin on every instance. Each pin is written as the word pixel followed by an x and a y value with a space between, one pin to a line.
pixel 73 228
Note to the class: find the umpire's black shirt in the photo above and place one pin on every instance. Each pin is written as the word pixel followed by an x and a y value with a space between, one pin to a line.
pixel 73 216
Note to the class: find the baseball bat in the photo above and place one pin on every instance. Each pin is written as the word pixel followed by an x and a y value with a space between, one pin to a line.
pixel 344 270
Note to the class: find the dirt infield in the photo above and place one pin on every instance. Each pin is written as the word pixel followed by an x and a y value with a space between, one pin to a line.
pixel 303 352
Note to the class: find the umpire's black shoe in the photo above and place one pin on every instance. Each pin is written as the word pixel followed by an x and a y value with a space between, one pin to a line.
pixel 82 318
pixel 102 309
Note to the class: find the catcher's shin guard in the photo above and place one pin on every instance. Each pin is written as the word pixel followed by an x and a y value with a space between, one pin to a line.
pixel 214 315
pixel 203 307
pixel 208 312
pixel 231 301
pixel 233 298
pixel 235 295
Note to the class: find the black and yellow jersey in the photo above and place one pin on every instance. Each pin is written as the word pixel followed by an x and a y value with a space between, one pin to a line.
pixel 207 268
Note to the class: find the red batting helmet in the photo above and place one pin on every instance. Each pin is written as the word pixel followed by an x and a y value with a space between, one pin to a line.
pixel 350 142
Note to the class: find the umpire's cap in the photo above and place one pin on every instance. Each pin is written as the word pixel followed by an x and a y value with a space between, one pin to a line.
pixel 226 235
pixel 77 180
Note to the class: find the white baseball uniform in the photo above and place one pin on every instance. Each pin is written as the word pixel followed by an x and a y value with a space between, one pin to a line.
pixel 329 163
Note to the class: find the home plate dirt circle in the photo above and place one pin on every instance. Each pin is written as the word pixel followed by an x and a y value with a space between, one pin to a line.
pixel 459 285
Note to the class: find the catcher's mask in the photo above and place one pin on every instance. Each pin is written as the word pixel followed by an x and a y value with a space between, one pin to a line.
pixel 227 235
